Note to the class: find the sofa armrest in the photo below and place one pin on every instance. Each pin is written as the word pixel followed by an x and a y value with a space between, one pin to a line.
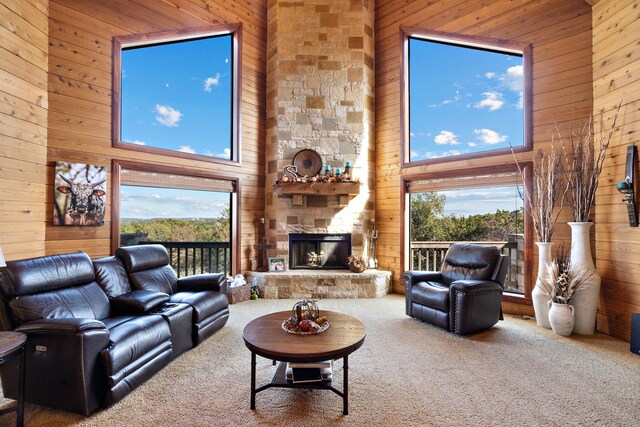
pixel 203 282
pixel 413 277
pixel 63 364
pixel 474 286
pixel 60 325
pixel 138 302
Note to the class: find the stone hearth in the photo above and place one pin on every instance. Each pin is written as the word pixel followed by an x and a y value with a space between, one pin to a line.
pixel 300 284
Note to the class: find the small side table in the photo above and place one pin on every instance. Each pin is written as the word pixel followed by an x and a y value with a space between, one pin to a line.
pixel 12 346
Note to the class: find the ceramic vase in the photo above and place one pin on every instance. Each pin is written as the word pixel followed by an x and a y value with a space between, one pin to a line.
pixel 561 318
pixel 539 297
pixel 585 302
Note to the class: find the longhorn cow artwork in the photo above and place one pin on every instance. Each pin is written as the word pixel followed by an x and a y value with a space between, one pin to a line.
pixel 79 196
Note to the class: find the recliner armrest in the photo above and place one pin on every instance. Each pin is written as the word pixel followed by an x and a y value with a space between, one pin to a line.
pixel 474 286
pixel 422 276
pixel 138 302
pixel 60 325
pixel 203 282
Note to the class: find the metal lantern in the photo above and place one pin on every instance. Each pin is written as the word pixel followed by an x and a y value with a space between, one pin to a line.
pixel 305 309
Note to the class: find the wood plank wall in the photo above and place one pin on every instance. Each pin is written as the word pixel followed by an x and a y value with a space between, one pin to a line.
pixel 23 126
pixel 80 69
pixel 560 34
pixel 616 75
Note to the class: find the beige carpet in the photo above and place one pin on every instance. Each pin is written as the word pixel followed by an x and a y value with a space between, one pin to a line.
pixel 407 373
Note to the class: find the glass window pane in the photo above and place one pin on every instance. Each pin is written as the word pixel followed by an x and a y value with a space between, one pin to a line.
pixel 178 96
pixel 463 100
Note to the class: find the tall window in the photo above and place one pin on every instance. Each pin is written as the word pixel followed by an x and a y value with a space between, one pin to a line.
pixel 193 215
pixel 178 92
pixel 463 98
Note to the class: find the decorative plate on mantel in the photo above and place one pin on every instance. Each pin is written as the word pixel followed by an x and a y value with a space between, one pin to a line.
pixel 307 162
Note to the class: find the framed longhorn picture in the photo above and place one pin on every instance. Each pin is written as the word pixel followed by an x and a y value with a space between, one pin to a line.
pixel 79 194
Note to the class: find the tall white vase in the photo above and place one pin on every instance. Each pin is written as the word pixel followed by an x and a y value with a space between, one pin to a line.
pixel 541 299
pixel 586 301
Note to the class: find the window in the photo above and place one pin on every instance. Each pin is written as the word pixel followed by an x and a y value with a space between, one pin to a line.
pixel 192 214
pixel 463 97
pixel 177 94
pixel 485 206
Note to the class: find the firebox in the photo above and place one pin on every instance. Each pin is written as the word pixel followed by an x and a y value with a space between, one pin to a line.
pixel 319 251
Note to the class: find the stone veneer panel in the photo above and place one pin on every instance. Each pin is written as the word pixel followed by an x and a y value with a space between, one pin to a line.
pixel 325 284
pixel 320 83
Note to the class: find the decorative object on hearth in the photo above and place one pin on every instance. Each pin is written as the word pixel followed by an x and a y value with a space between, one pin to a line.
pixel 277 264
pixel 562 282
pixel 586 151
pixel 305 319
pixel 255 292
pixel 357 263
pixel 308 162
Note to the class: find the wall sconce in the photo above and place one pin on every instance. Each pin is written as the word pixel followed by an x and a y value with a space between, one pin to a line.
pixel 627 187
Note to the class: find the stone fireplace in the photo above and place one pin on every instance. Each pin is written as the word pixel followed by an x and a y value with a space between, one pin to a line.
pixel 320 77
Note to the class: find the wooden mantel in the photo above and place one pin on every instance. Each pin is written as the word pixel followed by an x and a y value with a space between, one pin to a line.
pixel 319 188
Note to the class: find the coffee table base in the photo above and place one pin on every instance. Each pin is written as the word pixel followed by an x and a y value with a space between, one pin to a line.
pixel 279 380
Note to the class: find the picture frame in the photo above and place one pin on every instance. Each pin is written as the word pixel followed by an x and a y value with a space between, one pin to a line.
pixel 79 194
pixel 277 264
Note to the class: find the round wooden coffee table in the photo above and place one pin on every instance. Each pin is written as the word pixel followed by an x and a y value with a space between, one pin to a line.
pixel 265 337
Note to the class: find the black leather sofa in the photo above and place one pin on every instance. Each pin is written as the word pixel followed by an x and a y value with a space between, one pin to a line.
pixel 465 296
pixel 92 336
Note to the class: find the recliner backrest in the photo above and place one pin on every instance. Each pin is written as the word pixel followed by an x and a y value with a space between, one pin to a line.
pixel 148 268
pixel 111 276
pixel 470 262
pixel 54 286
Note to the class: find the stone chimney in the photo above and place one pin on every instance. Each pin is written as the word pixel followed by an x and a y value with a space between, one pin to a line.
pixel 320 83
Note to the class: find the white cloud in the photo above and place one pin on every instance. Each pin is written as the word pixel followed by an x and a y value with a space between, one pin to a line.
pixel 167 116
pixel 513 79
pixel 413 154
pixel 472 144
pixel 446 137
pixel 432 155
pixel 492 100
pixel 211 81
pixel 412 135
pixel 186 149
pixel 489 137
pixel 137 142
pixel 490 75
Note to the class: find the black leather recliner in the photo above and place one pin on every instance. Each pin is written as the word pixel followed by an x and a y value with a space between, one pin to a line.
pixel 148 269
pixel 466 295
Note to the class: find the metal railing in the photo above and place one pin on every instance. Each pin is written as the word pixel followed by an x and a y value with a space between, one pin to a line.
pixel 428 256
pixel 189 258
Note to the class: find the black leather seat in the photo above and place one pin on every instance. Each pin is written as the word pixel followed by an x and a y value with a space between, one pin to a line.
pixel 465 296
pixel 149 269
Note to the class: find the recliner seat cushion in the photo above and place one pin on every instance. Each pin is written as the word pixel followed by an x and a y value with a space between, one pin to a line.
pixel 140 337
pixel 205 303
pixel 80 302
pixel 431 294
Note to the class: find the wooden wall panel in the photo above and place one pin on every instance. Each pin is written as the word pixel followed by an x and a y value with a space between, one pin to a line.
pixel 79 85
pixel 23 127
pixel 616 75
pixel 560 34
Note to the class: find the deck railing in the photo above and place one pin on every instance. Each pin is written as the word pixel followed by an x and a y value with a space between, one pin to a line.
pixel 427 256
pixel 189 258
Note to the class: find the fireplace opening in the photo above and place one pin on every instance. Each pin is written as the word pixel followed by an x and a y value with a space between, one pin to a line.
pixel 319 251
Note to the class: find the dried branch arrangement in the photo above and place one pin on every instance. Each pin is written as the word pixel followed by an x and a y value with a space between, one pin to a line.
pixel 584 155
pixel 548 189
pixel 562 281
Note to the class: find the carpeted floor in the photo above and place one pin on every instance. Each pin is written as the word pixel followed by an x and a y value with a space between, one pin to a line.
pixel 407 373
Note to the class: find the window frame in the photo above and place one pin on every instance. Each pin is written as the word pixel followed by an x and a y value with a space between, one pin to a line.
pixel 405 238
pixel 133 40
pixel 235 208
pixel 462 41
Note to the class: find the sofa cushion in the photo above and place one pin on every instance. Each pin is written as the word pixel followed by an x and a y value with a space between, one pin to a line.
pixel 431 294
pixel 205 303
pixel 159 279
pixel 47 273
pixel 111 276
pixel 143 257
pixel 131 340
pixel 465 262
pixel 86 301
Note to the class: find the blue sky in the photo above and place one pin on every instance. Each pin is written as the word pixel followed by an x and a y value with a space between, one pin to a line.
pixel 482 200
pixel 147 203
pixel 177 96
pixel 463 100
